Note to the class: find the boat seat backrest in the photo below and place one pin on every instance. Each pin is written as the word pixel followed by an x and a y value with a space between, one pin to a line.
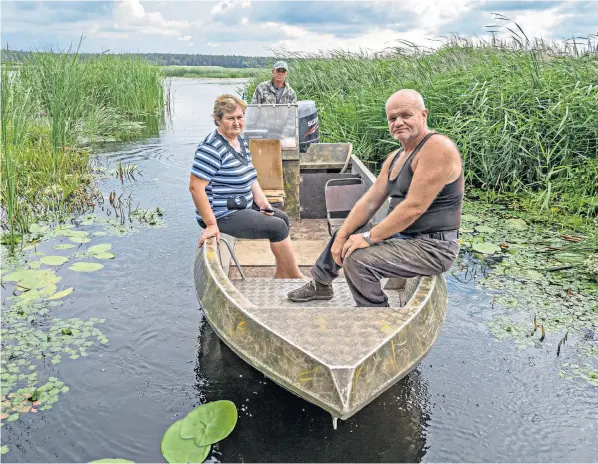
pixel 341 195
pixel 266 156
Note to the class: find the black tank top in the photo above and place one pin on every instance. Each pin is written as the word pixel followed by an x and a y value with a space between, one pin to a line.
pixel 445 211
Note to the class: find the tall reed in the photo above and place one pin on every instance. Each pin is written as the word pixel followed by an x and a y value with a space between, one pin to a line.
pixel 523 112
pixel 54 108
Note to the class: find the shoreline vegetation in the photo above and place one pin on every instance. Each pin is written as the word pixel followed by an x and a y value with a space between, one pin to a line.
pixel 55 108
pixel 209 72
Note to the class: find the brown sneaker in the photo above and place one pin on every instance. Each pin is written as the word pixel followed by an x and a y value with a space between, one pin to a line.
pixel 311 291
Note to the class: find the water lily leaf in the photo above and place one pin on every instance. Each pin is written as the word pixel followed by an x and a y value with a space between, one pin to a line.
pixel 100 248
pixel 61 294
pixel 30 295
pixel 86 267
pixel 106 255
pixel 37 229
pixel 485 229
pixel 210 422
pixel 177 449
pixel 35 265
pixel 64 246
pixel 99 233
pixel 535 275
pixel 115 460
pixel 469 218
pixel 3 449
pixel 87 222
pixel 47 291
pixel 486 248
pixel 74 233
pixel 54 260
pixel 570 258
pixel 516 224
pixel 19 275
pixel 79 239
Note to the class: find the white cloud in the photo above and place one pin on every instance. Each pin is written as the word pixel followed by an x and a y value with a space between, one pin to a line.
pixel 541 23
pixel 131 15
pixel 244 21
pixel 184 37
pixel 190 44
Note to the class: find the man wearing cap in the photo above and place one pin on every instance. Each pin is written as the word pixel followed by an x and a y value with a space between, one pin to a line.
pixel 276 90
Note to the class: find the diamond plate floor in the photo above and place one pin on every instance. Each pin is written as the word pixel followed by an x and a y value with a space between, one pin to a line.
pixel 273 292
pixel 335 331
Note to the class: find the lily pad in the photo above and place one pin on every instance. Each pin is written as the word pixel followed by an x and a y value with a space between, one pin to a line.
pixel 177 449
pixel 570 258
pixel 485 229
pixel 106 255
pixel 99 233
pixel 486 248
pixel 54 260
pixel 469 218
pixel 37 229
pixel 61 294
pixel 516 224
pixel 64 246
pixel 210 422
pixel 86 267
pixel 79 239
pixel 115 460
pixel 4 449
pixel 100 248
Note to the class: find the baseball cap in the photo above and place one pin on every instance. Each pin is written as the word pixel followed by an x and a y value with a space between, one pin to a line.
pixel 281 64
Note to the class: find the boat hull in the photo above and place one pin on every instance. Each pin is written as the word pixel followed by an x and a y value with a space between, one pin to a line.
pixel 339 379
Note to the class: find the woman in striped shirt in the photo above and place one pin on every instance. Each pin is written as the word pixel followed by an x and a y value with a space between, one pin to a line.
pixel 227 195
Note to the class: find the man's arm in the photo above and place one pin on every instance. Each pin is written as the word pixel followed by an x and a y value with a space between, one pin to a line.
pixel 256 96
pixel 368 204
pixel 438 164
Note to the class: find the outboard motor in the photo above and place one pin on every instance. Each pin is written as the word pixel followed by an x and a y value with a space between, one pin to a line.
pixel 309 129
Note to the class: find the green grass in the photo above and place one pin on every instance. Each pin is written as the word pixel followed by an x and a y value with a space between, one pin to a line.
pixel 53 109
pixel 522 113
pixel 209 72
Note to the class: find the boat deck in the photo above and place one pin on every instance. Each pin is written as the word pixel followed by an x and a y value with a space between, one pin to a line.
pixel 273 292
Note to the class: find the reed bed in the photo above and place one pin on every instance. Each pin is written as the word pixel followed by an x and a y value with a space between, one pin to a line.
pixel 211 72
pixel 54 108
pixel 523 113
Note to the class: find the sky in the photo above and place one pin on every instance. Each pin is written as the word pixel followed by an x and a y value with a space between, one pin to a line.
pixel 263 28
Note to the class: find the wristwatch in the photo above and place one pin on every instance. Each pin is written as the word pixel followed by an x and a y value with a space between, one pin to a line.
pixel 366 237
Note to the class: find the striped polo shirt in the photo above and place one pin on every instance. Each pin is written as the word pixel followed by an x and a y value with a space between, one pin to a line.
pixel 227 176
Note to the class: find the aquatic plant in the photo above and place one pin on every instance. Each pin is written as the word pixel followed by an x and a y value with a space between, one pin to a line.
pixel 190 439
pixel 521 111
pixel 54 108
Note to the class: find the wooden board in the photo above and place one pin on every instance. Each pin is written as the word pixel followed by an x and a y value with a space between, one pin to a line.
pixel 266 156
pixel 258 253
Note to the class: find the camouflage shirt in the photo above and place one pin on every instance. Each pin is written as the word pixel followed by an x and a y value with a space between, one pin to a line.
pixel 266 92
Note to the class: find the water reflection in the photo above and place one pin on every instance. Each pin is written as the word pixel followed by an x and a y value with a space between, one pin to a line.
pixel 391 429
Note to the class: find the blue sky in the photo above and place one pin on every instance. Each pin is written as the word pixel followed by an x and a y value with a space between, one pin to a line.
pixel 244 27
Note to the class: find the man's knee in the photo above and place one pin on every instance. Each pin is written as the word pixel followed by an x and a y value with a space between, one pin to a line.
pixel 355 265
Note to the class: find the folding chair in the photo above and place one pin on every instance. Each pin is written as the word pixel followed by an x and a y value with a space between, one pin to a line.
pixel 266 155
pixel 341 195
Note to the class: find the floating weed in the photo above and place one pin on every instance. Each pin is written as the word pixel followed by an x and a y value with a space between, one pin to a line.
pixel 64 246
pixel 152 217
pixel 536 267
pixel 585 372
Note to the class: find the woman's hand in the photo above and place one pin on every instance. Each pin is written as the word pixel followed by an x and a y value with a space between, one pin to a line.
pixel 208 232
pixel 266 209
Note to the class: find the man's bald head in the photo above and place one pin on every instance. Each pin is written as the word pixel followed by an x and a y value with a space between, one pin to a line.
pixel 406 97
pixel 407 116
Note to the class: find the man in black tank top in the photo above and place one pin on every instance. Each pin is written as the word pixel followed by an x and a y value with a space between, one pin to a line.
pixel 419 235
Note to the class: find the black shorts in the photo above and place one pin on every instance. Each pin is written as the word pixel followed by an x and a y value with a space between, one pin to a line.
pixel 253 224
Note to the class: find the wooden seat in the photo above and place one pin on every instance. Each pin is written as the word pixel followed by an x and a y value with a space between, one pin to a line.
pixel 341 195
pixel 266 155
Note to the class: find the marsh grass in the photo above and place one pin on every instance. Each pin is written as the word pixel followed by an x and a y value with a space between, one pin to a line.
pixel 208 72
pixel 522 112
pixel 54 108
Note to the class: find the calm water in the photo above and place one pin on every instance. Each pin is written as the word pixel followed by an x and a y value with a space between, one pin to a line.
pixel 472 399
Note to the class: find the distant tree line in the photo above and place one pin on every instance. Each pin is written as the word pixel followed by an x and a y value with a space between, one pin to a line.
pixel 170 59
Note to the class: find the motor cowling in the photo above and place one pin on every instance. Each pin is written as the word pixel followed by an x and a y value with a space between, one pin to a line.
pixel 309 129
